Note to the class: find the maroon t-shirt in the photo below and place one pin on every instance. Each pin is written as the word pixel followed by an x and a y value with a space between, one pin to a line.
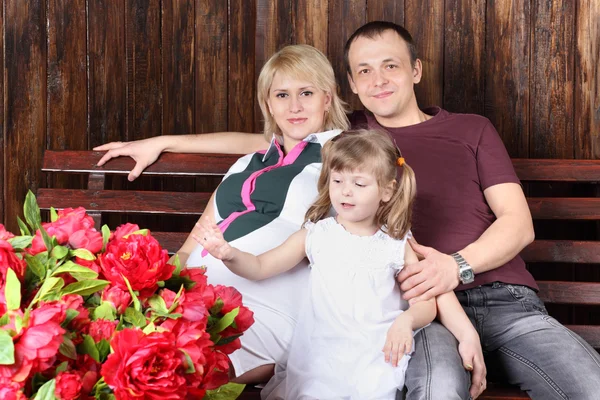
pixel 455 158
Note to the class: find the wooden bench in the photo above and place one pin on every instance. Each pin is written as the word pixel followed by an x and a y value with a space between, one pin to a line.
pixel 541 178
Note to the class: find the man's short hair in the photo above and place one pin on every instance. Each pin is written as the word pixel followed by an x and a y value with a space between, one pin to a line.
pixel 377 28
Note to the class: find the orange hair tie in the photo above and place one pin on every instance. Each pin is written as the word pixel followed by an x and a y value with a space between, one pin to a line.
pixel 400 161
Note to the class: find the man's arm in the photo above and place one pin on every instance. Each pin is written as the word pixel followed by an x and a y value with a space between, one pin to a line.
pixel 146 151
pixel 437 273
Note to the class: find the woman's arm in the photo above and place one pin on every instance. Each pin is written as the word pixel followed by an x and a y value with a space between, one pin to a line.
pixel 273 262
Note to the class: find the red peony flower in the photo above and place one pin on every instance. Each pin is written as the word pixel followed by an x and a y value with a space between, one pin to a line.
pixel 8 259
pixel 10 390
pixel 102 329
pixel 4 234
pixel 69 222
pixel 68 386
pixel 191 305
pixel 117 297
pixel 86 239
pixel 124 230
pixel 139 258
pixel 145 366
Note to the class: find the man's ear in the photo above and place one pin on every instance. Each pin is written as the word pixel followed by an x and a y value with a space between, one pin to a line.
pixel 352 85
pixel 388 191
pixel 417 71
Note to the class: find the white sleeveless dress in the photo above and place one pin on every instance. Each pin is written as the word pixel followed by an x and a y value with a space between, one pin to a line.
pixel 353 298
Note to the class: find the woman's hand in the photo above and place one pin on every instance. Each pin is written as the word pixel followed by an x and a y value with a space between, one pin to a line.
pixel 145 152
pixel 211 238
pixel 399 341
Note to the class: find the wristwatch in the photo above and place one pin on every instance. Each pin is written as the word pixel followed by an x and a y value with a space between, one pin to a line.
pixel 465 272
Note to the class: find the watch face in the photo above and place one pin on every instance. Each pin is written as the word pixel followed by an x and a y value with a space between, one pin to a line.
pixel 467 276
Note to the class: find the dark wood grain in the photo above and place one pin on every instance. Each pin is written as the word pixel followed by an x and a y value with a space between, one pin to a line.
pixel 169 164
pixel 587 80
pixel 464 55
pixel 564 208
pixel 121 201
pixel 211 66
pixel 590 334
pixel 424 19
pixel 107 71
pixel 144 87
pixel 502 392
pixel 242 77
pixel 507 72
pixel 178 66
pixel 551 131
pixel 569 292
pixel 384 10
pixel 2 119
pixel 563 251
pixel 25 101
pixel 310 23
pixel 345 17
pixel 548 170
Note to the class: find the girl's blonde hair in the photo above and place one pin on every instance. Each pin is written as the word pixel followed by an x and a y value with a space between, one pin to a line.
pixel 375 152
pixel 306 63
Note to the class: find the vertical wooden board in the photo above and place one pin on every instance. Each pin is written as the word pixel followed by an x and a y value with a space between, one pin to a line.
pixel 273 31
pixel 507 73
pixel 425 22
pixel 309 21
pixel 242 81
pixel 107 84
pixel 178 66
pixel 464 55
pixel 211 66
pixel 2 119
pixel 25 101
pixel 144 86
pixel 587 80
pixel 346 17
pixel 551 87
pixel 67 80
pixel 385 10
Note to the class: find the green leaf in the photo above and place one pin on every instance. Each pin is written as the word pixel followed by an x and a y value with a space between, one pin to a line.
pixel 70 316
pixel 36 265
pixel 226 392
pixel 84 254
pixel 158 304
pixel 77 271
pixel 88 346
pixel 175 300
pixel 227 340
pixel 67 348
pixel 4 320
pixel 217 307
pixel 143 232
pixel 20 242
pixel 149 328
pixel 103 347
pixel 190 369
pixel 105 236
pixel 225 321
pixel 85 288
pixel 135 317
pixel 47 239
pixel 46 392
pixel 54 292
pixel 7 349
pixel 18 323
pixel 177 263
pixel 136 301
pixel 32 211
pixel 53 215
pixel 12 290
pixel 23 228
pixel 105 311
pixel 48 288
pixel 60 252
pixel 62 367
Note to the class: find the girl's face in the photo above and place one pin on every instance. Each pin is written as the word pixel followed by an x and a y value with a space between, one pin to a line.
pixel 356 197
pixel 298 108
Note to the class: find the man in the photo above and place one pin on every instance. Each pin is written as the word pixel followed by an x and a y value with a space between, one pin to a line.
pixel 471 220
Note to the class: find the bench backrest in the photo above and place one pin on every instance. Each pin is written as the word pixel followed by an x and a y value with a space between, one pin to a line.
pixel 100 201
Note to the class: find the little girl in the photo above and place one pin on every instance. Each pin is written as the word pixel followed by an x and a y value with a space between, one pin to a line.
pixel 354 309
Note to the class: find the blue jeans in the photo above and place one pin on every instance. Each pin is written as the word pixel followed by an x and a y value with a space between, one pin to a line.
pixel 522 345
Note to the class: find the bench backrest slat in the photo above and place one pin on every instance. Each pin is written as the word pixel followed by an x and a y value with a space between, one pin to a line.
pixel 557 170
pixel 564 208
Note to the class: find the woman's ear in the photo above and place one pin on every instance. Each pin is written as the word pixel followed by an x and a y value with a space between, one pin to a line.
pixel 388 191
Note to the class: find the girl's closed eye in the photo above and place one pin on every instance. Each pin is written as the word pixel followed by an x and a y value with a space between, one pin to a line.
pixel 360 184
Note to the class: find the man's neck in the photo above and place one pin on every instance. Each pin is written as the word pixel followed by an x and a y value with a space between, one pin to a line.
pixel 413 116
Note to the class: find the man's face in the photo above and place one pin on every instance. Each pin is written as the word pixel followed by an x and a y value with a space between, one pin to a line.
pixel 383 77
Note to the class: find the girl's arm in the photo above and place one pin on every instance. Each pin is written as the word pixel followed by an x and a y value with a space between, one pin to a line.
pixel 273 262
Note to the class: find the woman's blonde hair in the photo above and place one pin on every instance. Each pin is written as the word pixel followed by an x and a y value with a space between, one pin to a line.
pixel 375 152
pixel 303 62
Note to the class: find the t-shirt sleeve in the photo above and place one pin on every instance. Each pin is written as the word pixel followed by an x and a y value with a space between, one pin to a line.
pixel 493 162
pixel 310 228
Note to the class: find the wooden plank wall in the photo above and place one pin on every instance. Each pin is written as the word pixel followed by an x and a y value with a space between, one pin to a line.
pixel 77 73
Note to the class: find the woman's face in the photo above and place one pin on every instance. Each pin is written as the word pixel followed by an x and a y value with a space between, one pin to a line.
pixel 298 108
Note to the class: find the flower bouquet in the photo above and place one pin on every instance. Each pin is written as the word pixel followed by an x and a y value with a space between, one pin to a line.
pixel 104 315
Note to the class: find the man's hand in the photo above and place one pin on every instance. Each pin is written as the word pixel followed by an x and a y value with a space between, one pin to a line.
pixel 144 152
pixel 472 358
pixel 435 274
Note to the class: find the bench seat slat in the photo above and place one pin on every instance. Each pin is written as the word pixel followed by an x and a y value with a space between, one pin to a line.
pixel 171 164
pixel 557 170
pixel 564 208
pixel 562 251
pixel 560 292
pixel 121 201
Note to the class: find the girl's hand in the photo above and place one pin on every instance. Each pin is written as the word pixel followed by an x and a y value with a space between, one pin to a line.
pixel 211 238
pixel 399 342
